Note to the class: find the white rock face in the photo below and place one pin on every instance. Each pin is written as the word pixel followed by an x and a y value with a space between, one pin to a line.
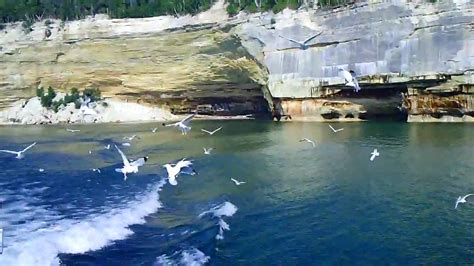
pixel 393 38
pixel 107 111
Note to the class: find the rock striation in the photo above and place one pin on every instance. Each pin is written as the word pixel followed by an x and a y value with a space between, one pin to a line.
pixel 414 61
pixel 411 51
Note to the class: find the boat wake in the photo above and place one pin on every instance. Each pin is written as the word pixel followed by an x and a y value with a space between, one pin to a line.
pixel 189 257
pixel 225 209
pixel 40 241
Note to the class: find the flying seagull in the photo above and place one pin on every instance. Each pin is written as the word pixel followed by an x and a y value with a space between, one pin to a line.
pixel 461 199
pixel 130 138
pixel 184 125
pixel 126 144
pixel 72 130
pixel 302 45
pixel 336 130
pixel 154 130
pixel 129 167
pixel 375 153
pixel 211 132
pixel 41 170
pixel 350 78
pixel 19 154
pixel 207 151
pixel 174 171
pixel 238 183
pixel 96 170
pixel 309 141
pixel 107 147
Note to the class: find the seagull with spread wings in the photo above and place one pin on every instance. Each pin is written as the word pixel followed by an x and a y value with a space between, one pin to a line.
pixel 207 151
pixel 462 199
pixel 129 167
pixel 237 182
pixel 309 141
pixel 336 130
pixel 184 125
pixel 19 154
pixel 302 45
pixel 174 171
pixel 211 132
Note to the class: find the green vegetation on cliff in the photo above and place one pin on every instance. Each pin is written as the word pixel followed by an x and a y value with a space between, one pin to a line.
pixel 18 10
pixel 31 10
pixel 47 100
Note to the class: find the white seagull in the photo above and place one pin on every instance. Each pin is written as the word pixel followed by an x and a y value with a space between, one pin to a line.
pixel 461 199
pixel 126 144
pixel 184 125
pixel 96 170
pixel 72 130
pixel 238 183
pixel 302 45
pixel 211 132
pixel 129 167
pixel 309 141
pixel 154 130
pixel 174 171
pixel 375 153
pixel 41 170
pixel 19 154
pixel 107 147
pixel 130 138
pixel 350 78
pixel 336 130
pixel 207 151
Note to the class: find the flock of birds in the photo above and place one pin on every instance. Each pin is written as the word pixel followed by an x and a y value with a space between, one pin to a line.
pixel 184 166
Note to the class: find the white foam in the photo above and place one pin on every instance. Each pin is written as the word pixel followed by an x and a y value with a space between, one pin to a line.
pixel 189 257
pixel 194 257
pixel 40 244
pixel 225 209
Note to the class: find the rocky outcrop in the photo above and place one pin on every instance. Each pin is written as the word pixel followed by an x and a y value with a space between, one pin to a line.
pixel 30 112
pixel 414 61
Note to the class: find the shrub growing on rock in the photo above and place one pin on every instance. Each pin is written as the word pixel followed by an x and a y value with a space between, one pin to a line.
pixel 73 97
pixel 47 99
pixel 56 104
pixel 40 92
pixel 93 93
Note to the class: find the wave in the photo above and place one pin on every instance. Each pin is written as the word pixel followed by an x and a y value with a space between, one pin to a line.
pixel 39 243
pixel 225 209
pixel 189 257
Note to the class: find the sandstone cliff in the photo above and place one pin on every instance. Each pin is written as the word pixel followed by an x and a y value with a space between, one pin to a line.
pixel 414 60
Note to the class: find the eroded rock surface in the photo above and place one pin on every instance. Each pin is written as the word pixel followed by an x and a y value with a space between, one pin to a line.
pixel 406 55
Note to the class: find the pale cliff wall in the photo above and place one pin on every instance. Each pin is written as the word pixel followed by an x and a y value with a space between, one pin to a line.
pixel 390 46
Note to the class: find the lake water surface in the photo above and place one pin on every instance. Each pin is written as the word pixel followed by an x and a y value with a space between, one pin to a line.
pixel 300 206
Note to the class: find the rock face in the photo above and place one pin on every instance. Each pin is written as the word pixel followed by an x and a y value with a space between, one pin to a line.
pixel 177 63
pixel 413 60
pixel 392 47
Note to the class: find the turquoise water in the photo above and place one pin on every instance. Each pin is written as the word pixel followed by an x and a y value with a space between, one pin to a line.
pixel 300 205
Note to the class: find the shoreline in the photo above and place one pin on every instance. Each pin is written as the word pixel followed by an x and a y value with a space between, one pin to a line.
pixel 31 112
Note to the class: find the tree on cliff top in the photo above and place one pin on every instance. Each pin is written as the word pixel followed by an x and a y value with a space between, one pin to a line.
pixel 18 10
